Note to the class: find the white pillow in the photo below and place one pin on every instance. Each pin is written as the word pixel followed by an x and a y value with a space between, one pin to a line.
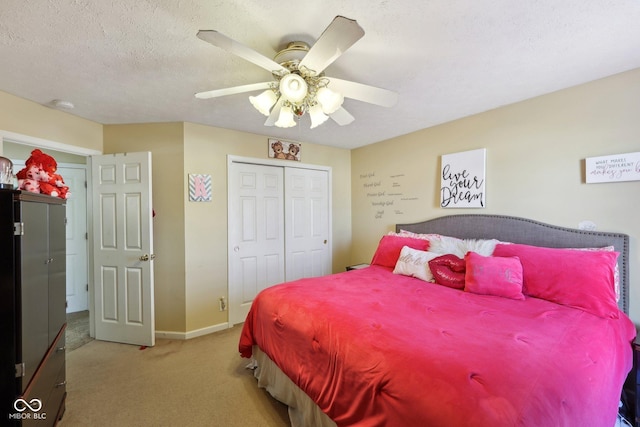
pixel 459 247
pixel 415 263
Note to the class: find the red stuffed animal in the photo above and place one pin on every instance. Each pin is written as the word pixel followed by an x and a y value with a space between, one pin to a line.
pixel 39 176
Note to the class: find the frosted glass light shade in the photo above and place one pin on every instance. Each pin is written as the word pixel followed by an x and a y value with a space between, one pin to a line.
pixel 285 119
pixel 264 101
pixel 329 100
pixel 293 87
pixel 317 116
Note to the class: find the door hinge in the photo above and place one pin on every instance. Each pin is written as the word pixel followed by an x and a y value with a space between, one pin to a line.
pixel 86 236
pixel 18 228
pixel 20 370
pixel 87 287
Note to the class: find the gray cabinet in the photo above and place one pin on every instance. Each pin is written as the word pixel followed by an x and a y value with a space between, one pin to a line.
pixel 32 306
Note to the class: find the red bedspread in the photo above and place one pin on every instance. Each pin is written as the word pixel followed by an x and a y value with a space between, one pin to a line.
pixel 376 349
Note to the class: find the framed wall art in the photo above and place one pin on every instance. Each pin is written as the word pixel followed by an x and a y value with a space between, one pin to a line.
pixel 199 188
pixel 614 168
pixel 285 150
pixel 462 179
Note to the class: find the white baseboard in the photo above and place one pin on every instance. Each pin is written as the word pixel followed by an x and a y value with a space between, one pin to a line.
pixel 192 334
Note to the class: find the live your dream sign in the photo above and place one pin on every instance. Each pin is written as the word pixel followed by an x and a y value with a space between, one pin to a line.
pixel 462 179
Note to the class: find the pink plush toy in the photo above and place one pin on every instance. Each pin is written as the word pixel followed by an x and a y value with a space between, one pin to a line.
pixel 29 179
pixel 39 176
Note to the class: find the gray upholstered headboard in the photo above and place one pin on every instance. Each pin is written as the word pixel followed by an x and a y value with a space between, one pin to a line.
pixel 526 231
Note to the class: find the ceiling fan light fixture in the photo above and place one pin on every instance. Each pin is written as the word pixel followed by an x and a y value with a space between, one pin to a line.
pixel 264 101
pixel 293 87
pixel 317 116
pixel 285 119
pixel 329 100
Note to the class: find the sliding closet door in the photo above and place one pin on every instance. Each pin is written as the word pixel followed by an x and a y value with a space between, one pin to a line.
pixel 256 234
pixel 307 223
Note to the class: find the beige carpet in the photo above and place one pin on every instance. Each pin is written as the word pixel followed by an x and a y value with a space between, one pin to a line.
pixel 77 332
pixel 198 382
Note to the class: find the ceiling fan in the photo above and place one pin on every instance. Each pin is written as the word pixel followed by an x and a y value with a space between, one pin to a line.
pixel 299 85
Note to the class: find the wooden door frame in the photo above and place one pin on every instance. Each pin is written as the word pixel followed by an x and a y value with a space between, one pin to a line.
pixel 35 142
pixel 278 163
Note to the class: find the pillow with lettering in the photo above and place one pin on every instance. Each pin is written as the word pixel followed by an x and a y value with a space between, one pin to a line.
pixel 498 276
pixel 414 263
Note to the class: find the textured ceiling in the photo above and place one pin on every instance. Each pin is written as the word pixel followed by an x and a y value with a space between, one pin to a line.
pixel 124 61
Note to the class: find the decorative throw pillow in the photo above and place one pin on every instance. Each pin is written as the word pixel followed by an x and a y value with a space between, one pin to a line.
pixel 414 263
pixel 390 246
pixel 448 270
pixel 499 276
pixel 579 279
pixel 460 247
pixel 616 273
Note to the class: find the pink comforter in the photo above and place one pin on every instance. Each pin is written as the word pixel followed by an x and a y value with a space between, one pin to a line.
pixel 376 349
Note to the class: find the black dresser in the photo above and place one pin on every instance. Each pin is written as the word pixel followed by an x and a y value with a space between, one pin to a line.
pixel 32 308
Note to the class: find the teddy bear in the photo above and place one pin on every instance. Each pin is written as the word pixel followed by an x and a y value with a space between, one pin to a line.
pixel 278 150
pixel 293 152
pixel 39 176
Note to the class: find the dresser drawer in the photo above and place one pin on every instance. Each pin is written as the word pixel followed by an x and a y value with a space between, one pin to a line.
pixel 48 385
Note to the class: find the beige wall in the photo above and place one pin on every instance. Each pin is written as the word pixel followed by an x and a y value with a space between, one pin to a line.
pixel 28 118
pixel 165 142
pixel 206 150
pixel 535 166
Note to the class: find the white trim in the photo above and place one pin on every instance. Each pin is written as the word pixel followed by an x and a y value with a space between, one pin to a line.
pixel 274 162
pixel 192 334
pixel 22 139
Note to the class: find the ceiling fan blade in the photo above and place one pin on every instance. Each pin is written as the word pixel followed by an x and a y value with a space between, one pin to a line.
pixel 342 117
pixel 237 48
pixel 233 90
pixel 339 36
pixel 275 113
pixel 362 92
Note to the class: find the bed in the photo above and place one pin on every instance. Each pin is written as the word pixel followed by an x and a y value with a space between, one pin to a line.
pixel 537 335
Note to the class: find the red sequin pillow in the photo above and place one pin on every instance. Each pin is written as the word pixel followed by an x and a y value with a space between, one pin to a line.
pixel 448 270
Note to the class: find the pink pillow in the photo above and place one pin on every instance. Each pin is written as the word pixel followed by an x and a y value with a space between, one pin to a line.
pixel 389 248
pixel 579 279
pixel 448 270
pixel 499 276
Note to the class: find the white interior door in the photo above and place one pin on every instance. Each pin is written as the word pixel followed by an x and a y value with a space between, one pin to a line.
pixel 123 248
pixel 77 276
pixel 307 223
pixel 256 234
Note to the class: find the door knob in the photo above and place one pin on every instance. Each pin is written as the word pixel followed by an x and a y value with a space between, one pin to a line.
pixel 147 257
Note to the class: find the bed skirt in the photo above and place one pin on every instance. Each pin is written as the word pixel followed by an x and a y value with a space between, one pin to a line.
pixel 302 410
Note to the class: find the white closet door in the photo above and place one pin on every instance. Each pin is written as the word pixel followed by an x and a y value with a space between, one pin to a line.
pixel 256 234
pixel 307 223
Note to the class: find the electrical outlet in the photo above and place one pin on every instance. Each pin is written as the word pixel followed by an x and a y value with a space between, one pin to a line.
pixel 222 304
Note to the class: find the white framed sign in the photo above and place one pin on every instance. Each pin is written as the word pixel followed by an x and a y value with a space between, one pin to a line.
pixel 462 179
pixel 614 168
